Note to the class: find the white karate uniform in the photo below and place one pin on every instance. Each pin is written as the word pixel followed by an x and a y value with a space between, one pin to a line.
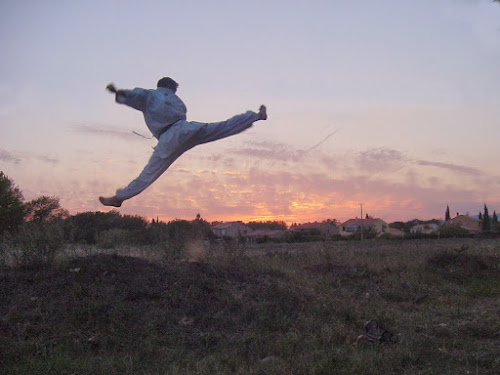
pixel 161 108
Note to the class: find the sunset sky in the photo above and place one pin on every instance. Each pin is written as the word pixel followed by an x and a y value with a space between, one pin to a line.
pixel 392 104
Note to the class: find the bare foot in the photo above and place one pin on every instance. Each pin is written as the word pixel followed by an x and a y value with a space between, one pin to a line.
pixel 262 112
pixel 111 88
pixel 111 201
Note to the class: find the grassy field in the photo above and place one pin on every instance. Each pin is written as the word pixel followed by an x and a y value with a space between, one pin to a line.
pixel 262 309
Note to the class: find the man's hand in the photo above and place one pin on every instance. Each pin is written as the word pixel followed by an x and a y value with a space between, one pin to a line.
pixel 111 88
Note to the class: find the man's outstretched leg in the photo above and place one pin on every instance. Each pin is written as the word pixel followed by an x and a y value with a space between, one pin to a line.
pixel 155 168
pixel 214 131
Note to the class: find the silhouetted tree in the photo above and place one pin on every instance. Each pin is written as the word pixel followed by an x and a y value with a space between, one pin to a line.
pixel 398 225
pixel 267 225
pixel 333 221
pixel 447 214
pixel 44 208
pixel 486 220
pixel 495 218
pixel 179 230
pixel 480 216
pixel 86 226
pixel 200 228
pixel 12 210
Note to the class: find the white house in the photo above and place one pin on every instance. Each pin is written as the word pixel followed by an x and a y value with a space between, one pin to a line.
pixel 424 228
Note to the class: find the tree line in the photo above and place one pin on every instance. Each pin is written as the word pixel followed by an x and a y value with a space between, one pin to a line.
pixel 45 215
pixel 102 228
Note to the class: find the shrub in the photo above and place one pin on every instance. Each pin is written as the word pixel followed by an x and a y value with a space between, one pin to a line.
pixel 36 244
pixel 110 238
pixel 4 245
pixel 453 230
pixel 389 236
pixel 173 249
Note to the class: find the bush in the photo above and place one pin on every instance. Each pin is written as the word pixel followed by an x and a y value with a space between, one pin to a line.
pixel 389 236
pixel 4 252
pixel 110 238
pixel 173 249
pixel 453 230
pixel 419 235
pixel 36 244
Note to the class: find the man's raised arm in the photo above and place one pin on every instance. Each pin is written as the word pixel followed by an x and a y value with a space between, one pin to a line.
pixel 135 98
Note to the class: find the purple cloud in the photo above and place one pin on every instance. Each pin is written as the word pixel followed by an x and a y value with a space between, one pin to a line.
pixel 381 159
pixel 19 157
pixel 451 167
pixel 8 157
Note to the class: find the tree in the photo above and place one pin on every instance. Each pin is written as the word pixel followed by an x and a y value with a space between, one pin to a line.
pixel 495 218
pixel 486 219
pixel 447 213
pixel 398 225
pixel 12 209
pixel 267 225
pixel 480 216
pixel 333 221
pixel 85 227
pixel 45 208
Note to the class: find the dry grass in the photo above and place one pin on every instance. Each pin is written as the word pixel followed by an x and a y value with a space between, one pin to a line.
pixel 264 309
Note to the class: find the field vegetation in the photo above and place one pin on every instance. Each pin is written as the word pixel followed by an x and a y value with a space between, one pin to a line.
pixel 194 307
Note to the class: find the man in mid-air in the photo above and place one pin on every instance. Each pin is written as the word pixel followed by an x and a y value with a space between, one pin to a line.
pixel 165 116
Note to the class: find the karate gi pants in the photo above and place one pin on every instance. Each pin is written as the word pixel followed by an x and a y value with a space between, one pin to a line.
pixel 182 136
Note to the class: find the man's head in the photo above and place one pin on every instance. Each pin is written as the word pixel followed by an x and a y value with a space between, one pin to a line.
pixel 169 83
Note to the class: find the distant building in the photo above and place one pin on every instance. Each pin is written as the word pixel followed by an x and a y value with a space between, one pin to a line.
pixel 232 229
pixel 351 226
pixel 469 223
pixel 424 228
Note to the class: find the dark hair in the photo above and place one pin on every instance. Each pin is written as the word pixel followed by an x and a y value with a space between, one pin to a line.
pixel 169 83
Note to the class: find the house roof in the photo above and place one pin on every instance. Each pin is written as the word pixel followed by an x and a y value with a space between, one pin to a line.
pixel 465 218
pixel 467 222
pixel 362 222
pixel 314 225
pixel 227 225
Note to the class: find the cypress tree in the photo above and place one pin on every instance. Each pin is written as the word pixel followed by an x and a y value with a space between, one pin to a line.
pixel 447 213
pixel 486 219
